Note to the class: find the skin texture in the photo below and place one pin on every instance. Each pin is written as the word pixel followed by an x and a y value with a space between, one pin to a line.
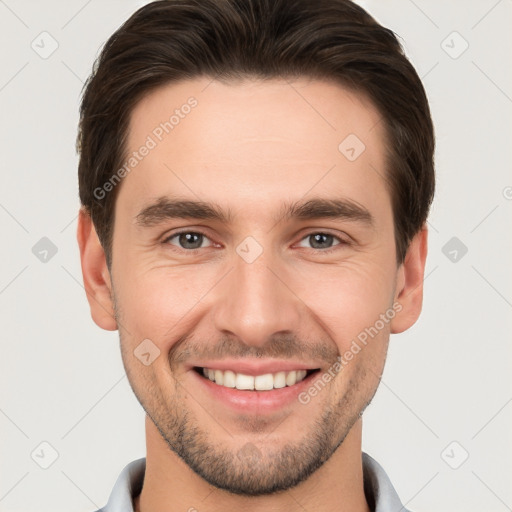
pixel 250 147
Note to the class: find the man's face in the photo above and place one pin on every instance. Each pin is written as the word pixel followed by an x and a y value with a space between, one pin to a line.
pixel 259 292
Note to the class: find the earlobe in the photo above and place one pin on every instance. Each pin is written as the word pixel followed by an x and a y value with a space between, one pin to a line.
pixel 409 289
pixel 95 273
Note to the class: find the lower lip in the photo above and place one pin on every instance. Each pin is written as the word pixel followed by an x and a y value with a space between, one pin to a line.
pixel 259 402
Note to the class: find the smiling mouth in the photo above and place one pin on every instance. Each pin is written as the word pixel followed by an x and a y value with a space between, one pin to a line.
pixel 264 382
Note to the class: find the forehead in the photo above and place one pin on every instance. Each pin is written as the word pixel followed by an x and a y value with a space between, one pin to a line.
pixel 251 140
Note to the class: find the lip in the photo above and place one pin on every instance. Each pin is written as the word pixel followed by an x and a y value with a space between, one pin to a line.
pixel 254 402
pixel 255 367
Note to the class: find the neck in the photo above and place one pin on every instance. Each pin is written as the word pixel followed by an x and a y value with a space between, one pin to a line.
pixel 169 484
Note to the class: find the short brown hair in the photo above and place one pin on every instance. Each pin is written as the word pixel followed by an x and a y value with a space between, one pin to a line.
pixel 336 40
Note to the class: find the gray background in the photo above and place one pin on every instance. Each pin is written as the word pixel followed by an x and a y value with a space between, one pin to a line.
pixel 446 392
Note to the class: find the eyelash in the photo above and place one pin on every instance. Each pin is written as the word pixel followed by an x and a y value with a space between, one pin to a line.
pixel 341 241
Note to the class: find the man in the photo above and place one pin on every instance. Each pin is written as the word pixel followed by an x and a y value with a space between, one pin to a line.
pixel 255 179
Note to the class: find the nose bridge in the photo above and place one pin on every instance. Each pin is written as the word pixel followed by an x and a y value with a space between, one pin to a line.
pixel 256 304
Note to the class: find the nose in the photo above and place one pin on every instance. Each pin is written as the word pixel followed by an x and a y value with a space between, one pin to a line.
pixel 257 301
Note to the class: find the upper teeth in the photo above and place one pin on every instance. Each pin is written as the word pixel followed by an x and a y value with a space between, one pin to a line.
pixel 267 381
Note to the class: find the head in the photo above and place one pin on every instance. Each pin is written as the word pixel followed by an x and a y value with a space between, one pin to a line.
pixel 255 178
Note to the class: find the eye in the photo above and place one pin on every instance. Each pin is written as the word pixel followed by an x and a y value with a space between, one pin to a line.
pixel 322 241
pixel 188 240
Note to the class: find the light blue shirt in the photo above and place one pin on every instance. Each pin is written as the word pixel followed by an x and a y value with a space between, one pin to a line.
pixel 380 493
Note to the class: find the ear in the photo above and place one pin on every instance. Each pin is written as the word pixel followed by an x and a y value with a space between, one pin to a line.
pixel 95 273
pixel 409 288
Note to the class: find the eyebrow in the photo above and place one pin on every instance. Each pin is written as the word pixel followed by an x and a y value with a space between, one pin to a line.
pixel 321 208
pixel 165 208
pixel 317 208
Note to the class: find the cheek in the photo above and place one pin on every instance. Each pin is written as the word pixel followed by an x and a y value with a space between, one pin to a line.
pixel 160 303
pixel 346 299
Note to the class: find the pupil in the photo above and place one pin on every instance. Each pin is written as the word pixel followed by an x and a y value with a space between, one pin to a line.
pixel 188 238
pixel 321 238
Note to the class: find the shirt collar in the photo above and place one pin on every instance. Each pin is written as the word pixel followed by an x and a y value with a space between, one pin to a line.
pixel 128 485
pixel 379 491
